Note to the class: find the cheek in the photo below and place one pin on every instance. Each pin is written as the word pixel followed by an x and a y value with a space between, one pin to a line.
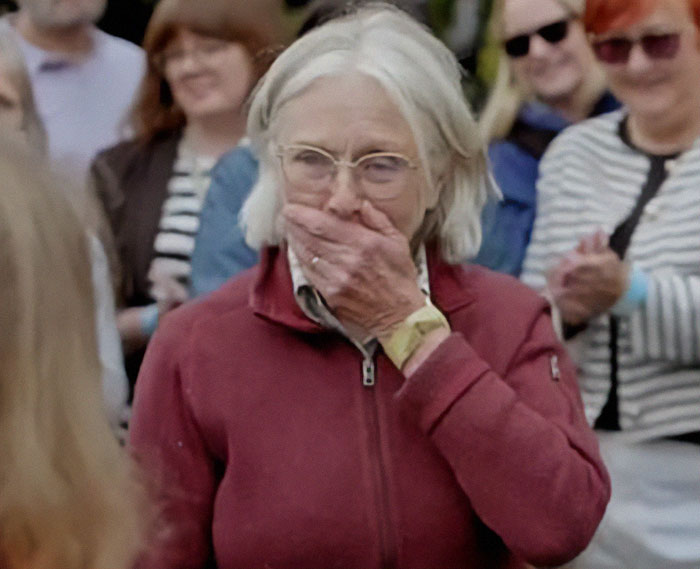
pixel 406 212
pixel 521 70
pixel 296 195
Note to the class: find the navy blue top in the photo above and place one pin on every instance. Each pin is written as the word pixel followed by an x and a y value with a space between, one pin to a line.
pixel 507 224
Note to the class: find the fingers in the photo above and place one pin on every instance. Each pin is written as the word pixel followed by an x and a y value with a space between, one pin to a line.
pixel 314 266
pixel 319 224
pixel 595 243
pixel 376 220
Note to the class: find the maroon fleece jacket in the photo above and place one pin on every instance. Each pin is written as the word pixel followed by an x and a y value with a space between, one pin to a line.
pixel 270 453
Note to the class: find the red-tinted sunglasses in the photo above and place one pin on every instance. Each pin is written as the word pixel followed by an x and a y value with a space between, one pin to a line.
pixel 617 50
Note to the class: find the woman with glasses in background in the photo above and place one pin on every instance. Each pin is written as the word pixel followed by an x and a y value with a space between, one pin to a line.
pixel 547 79
pixel 203 60
pixel 616 243
pixel 361 399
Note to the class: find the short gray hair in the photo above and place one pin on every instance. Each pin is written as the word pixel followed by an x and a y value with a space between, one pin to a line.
pixel 423 78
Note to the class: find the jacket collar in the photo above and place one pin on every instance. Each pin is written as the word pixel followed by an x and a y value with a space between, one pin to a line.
pixel 272 293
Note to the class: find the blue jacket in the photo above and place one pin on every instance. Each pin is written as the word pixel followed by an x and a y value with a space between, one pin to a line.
pixel 507 225
pixel 220 249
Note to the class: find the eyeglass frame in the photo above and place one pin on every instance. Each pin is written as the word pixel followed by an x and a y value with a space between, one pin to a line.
pixel 642 41
pixel 338 162
pixel 566 22
pixel 199 54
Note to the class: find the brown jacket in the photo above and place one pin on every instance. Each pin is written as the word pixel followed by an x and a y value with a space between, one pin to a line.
pixel 131 181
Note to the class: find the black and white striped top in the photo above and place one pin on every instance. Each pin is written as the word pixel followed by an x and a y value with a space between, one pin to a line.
pixel 179 222
pixel 591 179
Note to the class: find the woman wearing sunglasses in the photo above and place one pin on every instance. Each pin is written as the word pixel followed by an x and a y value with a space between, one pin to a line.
pixel 616 243
pixel 547 79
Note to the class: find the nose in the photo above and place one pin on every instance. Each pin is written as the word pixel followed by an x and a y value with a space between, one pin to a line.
pixel 345 198
pixel 539 47
pixel 639 62
pixel 189 62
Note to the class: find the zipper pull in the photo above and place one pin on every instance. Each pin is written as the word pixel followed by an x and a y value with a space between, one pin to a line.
pixel 367 371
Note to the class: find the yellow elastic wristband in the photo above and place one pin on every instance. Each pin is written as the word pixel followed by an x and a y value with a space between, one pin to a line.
pixel 411 332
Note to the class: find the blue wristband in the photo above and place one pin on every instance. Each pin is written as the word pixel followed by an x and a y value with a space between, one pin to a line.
pixel 149 319
pixel 635 296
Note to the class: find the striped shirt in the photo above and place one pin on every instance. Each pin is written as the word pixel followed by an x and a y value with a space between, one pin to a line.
pixel 591 179
pixel 179 222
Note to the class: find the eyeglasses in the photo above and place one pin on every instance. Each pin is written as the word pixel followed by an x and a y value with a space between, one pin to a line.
pixel 519 46
pixel 381 173
pixel 173 59
pixel 655 46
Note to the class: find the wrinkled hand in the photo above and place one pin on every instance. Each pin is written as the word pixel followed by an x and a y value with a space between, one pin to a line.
pixel 364 271
pixel 588 281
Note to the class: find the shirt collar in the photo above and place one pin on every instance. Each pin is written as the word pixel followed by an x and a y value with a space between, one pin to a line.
pixel 315 308
pixel 40 60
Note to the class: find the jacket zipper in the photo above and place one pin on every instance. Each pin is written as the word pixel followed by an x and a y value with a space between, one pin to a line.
pixel 368 371
pixel 388 547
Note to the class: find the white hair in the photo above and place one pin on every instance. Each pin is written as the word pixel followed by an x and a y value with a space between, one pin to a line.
pixel 423 78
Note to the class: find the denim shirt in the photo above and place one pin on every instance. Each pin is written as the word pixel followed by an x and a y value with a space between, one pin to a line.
pixel 220 249
pixel 507 224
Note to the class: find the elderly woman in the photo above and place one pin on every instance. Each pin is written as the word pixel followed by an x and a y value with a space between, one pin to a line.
pixel 359 401
pixel 636 282
pixel 548 78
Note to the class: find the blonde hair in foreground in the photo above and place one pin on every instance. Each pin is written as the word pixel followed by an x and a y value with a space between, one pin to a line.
pixel 422 77
pixel 68 496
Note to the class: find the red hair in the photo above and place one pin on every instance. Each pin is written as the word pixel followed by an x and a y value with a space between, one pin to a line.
pixel 605 15
pixel 255 24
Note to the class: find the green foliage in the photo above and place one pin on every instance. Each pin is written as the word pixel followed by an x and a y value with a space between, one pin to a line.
pixel 440 14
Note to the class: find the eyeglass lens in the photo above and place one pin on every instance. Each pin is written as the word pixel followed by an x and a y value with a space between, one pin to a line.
pixel 617 50
pixel 307 166
pixel 519 46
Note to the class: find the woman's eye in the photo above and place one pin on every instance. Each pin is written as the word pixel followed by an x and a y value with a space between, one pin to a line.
pixel 384 163
pixel 311 158
pixel 212 47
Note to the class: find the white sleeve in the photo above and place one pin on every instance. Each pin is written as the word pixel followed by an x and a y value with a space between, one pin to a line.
pixel 667 327
pixel 546 245
pixel 114 381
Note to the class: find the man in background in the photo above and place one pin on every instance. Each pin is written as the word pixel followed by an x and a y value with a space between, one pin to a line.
pixel 84 80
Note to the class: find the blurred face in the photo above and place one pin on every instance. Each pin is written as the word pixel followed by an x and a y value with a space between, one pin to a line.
pixel 661 69
pixel 207 76
pixel 63 13
pixel 556 63
pixel 10 103
pixel 352 119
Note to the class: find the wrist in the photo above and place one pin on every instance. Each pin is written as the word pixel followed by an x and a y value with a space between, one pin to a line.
pixel 410 335
pixel 148 319
pixel 634 296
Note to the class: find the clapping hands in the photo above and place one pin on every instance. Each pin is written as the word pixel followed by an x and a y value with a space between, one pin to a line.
pixel 588 280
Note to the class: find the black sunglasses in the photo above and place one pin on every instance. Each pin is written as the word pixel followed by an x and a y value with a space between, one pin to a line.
pixel 655 46
pixel 519 46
